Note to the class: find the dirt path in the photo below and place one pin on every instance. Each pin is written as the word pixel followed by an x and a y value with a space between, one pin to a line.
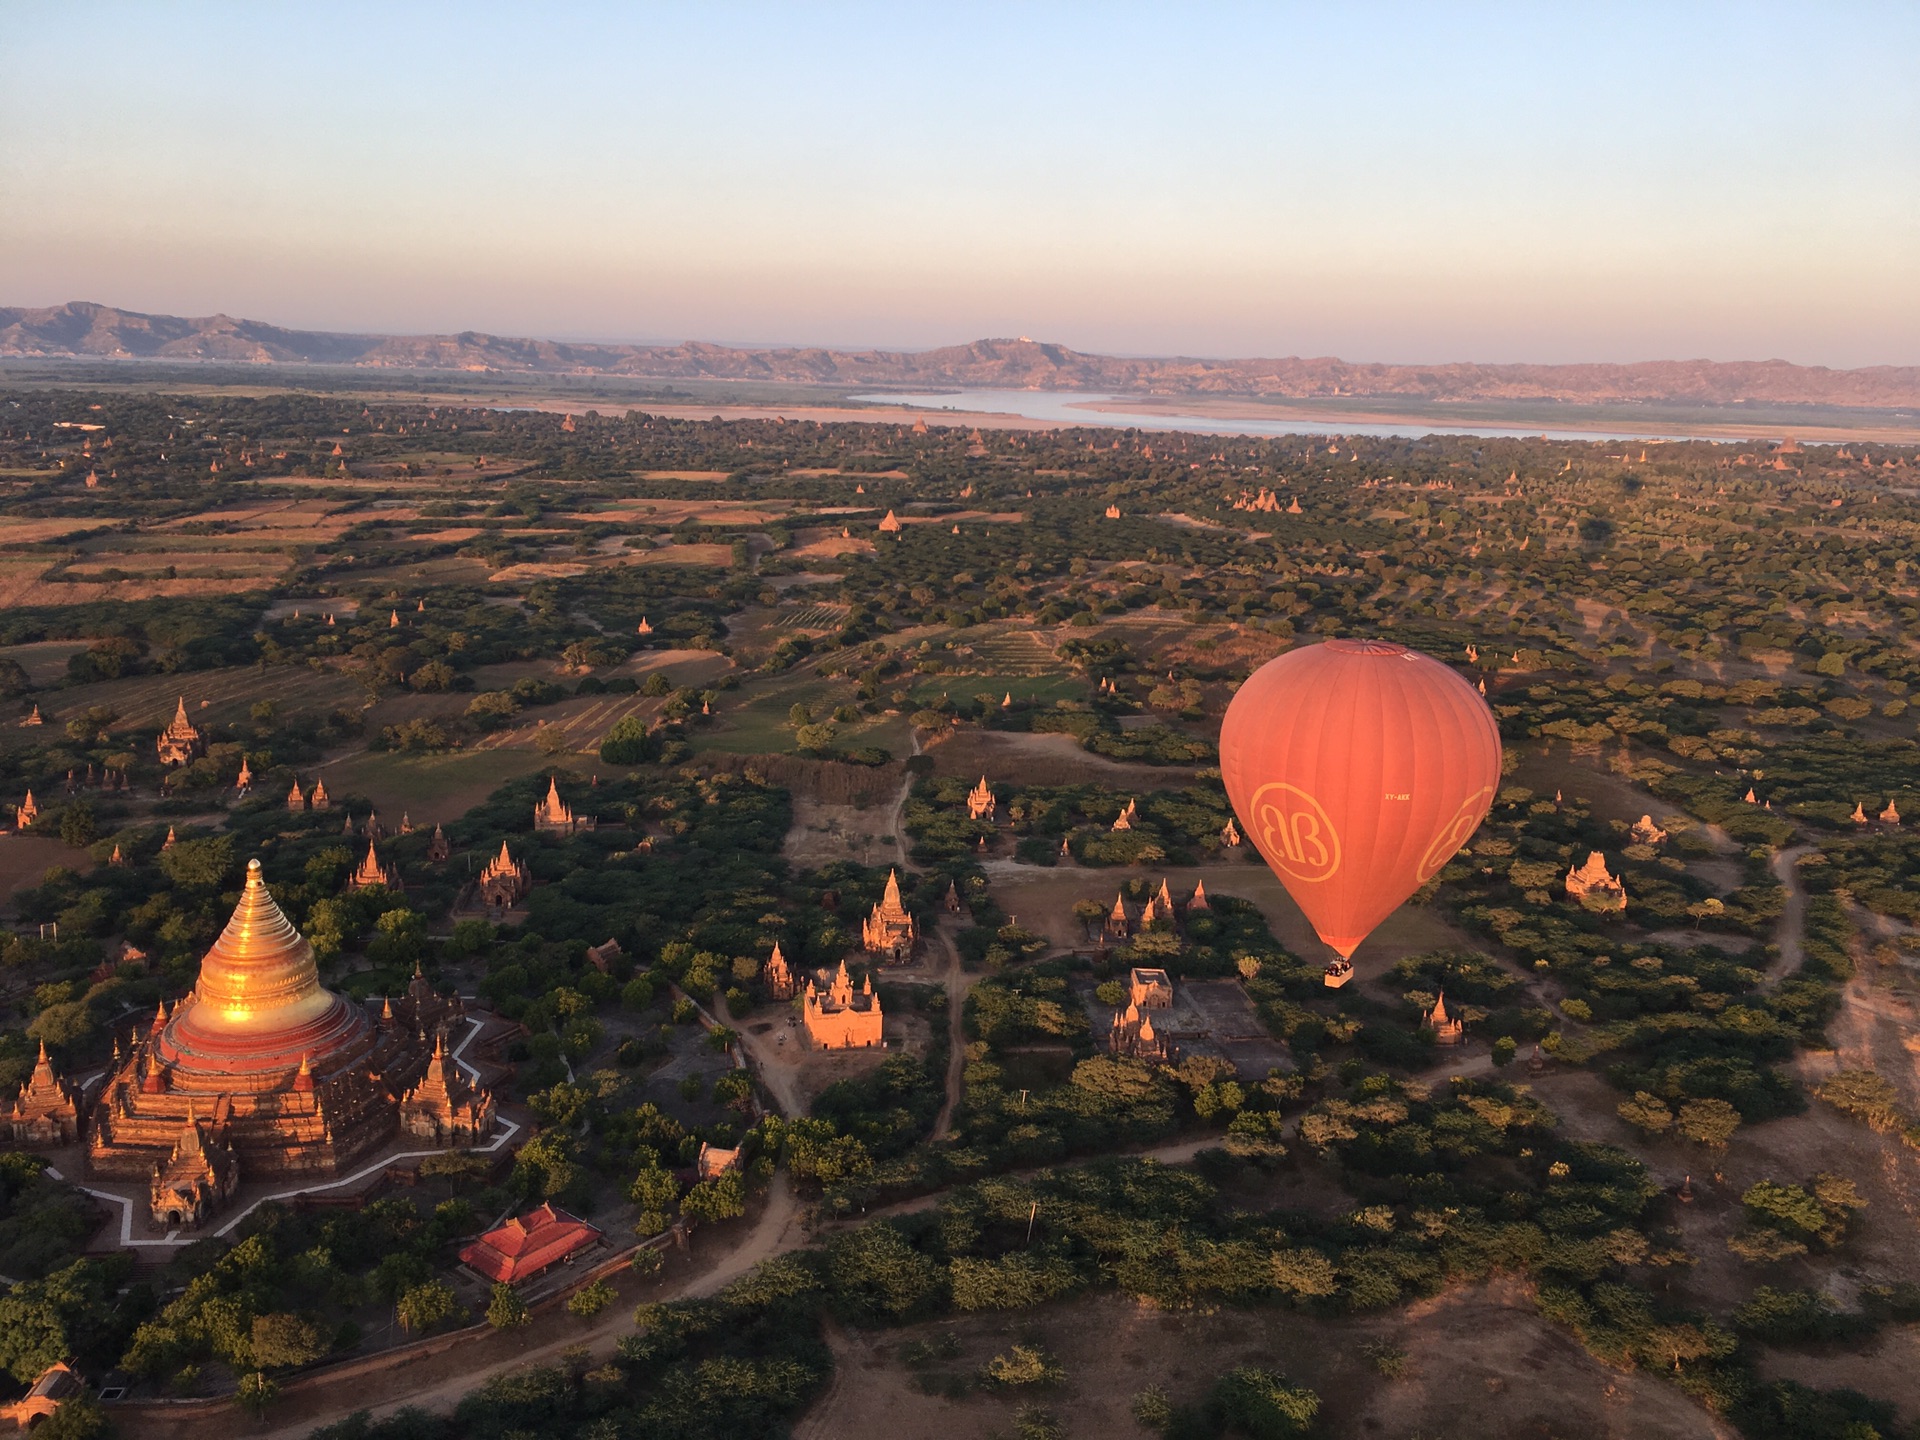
pixel 958 983
pixel 1790 934
pixel 897 822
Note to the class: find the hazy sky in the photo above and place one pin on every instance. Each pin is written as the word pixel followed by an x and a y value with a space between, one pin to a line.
pixel 1536 181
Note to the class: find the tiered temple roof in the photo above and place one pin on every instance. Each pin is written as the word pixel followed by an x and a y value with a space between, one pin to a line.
pixel 554 816
pixel 505 881
pixel 180 743
pixel 889 930
pixel 47 1112
pixel 980 803
pixel 444 1107
pixel 25 814
pixel 198 1176
pixel 372 873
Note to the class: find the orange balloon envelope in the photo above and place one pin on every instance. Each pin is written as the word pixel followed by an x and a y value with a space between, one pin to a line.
pixel 1358 768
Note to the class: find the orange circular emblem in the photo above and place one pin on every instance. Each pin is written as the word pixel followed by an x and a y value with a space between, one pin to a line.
pixel 1455 833
pixel 1294 832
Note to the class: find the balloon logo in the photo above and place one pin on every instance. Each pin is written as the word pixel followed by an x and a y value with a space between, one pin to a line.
pixel 1293 832
pixel 1455 833
pixel 1359 768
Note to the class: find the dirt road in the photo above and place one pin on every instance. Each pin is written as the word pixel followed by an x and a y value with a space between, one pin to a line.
pixel 958 983
pixel 1789 934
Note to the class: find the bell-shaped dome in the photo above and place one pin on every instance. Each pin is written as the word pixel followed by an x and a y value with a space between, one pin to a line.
pixel 259 977
pixel 258 1009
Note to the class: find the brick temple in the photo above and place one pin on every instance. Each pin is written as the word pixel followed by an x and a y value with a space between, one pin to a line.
pixel 259 1073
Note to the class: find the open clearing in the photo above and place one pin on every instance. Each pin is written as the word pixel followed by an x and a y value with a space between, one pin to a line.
pixel 1480 1365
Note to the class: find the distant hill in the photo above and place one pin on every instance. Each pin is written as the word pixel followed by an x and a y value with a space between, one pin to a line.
pixel 84 330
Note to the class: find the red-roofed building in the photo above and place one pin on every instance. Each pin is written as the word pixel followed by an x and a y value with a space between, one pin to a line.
pixel 528 1244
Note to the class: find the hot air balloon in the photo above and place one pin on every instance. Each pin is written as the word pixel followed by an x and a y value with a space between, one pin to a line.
pixel 1358 768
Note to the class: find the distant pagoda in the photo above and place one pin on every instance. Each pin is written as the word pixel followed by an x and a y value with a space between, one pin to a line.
pixel 888 932
pixel 180 743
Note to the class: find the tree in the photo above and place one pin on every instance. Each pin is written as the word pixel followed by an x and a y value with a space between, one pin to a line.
pixel 281 1341
pixel 400 937
pixel 814 737
pixel 722 1198
pixel 1264 1404
pixel 1648 1114
pixel 655 1191
pixel 425 1307
pixel 79 1417
pixel 1709 1122
pixel 1305 1273
pixel 589 1301
pixel 256 1391
pixel 1023 1365
pixel 201 864
pixel 492 709
pixel 77 825
pixel 506 1310
pixel 62 1026
pixel 40 1319
pixel 626 743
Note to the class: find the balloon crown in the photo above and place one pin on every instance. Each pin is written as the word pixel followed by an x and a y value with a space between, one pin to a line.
pixel 1370 647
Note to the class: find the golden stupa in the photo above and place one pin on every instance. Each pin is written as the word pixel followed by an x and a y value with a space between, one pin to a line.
pixel 281 1076
pixel 259 979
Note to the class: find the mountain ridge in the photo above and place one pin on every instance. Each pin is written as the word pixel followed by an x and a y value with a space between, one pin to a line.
pixel 86 330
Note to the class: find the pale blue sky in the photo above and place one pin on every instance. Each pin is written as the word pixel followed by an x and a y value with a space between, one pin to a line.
pixel 1541 181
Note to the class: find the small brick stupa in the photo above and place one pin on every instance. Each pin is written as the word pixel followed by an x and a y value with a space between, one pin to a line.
pixel 778 975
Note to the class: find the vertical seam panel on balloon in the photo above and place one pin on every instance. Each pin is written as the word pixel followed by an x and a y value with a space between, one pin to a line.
pixel 1321 698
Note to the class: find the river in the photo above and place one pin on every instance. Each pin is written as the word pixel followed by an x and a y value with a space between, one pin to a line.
pixel 1078 407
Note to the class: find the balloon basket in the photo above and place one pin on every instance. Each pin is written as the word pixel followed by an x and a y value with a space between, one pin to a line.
pixel 1338 973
